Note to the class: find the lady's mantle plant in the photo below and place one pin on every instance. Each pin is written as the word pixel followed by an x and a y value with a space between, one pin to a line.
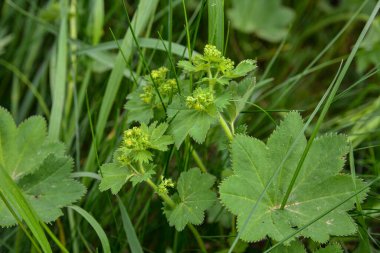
pixel 39 167
pixel 203 96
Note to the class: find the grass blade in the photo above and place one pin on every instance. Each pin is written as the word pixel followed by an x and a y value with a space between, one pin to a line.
pixel 12 195
pixel 58 87
pixel 133 241
pixel 216 23
pixel 95 225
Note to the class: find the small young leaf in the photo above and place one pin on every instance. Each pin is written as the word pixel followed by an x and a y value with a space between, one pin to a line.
pixel 193 198
pixel 187 66
pixel 138 110
pixel 319 186
pixel 114 176
pixel 139 178
pixel 242 69
pixel 157 138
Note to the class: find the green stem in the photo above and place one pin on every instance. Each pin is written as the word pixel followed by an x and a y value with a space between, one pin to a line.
pixel 163 195
pixel 198 160
pixel 225 127
pixel 197 237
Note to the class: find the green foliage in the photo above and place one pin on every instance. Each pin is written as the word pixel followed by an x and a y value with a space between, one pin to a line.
pixel 135 150
pixel 201 108
pixel 294 247
pixel 39 167
pixel 138 141
pixel 369 53
pixel 269 20
pixel 114 176
pixel 298 247
pixel 330 248
pixel 193 198
pixel 319 186
pixel 137 109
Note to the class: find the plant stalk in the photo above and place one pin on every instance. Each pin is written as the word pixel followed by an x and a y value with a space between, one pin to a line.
pixel 198 160
pixel 225 127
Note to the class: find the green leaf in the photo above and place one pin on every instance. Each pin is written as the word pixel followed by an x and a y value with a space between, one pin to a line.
pixel 142 177
pixel 242 69
pixel 331 248
pixel 24 148
pixel 38 166
pixel 268 19
pixel 187 66
pixel 51 187
pixel 193 198
pixel 114 176
pixel 241 93
pixel 190 122
pixel 157 138
pixel 294 247
pixel 48 189
pixel 318 188
pixel 138 110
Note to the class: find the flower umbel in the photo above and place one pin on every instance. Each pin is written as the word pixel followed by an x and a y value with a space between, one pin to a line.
pixel 164 185
pixel 166 87
pixel 159 74
pixel 201 99
pixel 135 139
pixel 138 142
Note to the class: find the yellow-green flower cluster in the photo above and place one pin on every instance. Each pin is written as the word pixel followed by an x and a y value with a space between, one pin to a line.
pixel 212 53
pixel 159 75
pixel 136 139
pixel 201 99
pixel 166 87
pixel 147 94
pixel 213 58
pixel 226 65
pixel 164 185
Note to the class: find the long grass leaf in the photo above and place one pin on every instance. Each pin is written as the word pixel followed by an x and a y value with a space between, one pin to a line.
pixel 13 195
pixel 96 226
pixel 59 85
pixel 216 23
pixel 133 241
